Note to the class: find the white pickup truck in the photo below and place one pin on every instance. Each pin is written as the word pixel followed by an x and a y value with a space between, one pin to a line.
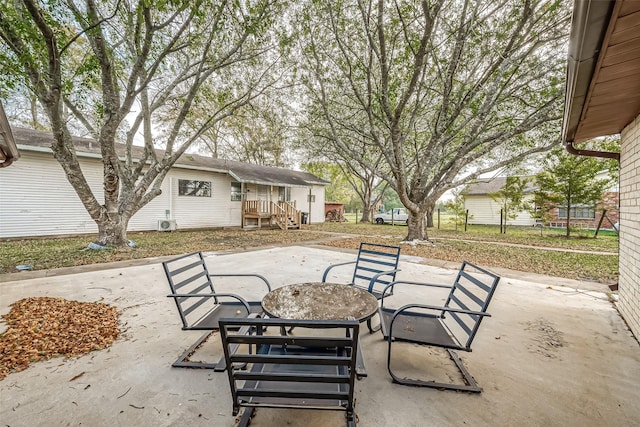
pixel 397 215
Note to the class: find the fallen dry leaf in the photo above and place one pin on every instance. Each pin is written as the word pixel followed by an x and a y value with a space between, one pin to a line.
pixel 40 328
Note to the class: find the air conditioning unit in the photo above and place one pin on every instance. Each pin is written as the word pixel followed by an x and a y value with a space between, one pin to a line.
pixel 166 224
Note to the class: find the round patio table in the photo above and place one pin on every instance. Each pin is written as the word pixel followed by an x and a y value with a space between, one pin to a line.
pixel 320 301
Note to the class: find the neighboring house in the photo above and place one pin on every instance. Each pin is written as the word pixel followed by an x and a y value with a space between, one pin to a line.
pixel 603 98
pixel 588 217
pixel 484 210
pixel 199 192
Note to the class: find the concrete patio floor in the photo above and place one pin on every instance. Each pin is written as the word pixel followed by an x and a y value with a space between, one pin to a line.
pixel 555 352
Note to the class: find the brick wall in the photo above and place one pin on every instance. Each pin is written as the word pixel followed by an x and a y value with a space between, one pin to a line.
pixel 609 202
pixel 629 285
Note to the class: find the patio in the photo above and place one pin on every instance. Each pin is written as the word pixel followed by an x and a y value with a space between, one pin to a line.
pixel 555 352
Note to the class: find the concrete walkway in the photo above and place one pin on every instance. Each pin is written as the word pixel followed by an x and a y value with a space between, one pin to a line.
pixel 555 352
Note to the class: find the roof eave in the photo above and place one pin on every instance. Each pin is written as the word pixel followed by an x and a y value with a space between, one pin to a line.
pixel 238 177
pixel 31 140
pixel 588 28
pixel 96 156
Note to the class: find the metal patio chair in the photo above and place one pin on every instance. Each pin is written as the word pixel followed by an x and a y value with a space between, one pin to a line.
pixel 315 370
pixel 200 306
pixel 452 326
pixel 374 269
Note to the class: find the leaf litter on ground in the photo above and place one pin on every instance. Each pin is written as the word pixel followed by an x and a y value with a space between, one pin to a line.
pixel 40 328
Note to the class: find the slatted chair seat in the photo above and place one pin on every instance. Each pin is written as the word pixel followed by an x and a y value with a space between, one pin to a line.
pixel 199 305
pixel 264 392
pixel 452 326
pixel 241 308
pixel 419 328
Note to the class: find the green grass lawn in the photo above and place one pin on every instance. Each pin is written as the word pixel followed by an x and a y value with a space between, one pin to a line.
pixel 572 265
pixel 483 245
pixel 607 241
pixel 49 253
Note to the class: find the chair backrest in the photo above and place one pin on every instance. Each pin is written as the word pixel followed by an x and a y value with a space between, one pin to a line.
pixel 372 260
pixel 472 290
pixel 188 275
pixel 313 369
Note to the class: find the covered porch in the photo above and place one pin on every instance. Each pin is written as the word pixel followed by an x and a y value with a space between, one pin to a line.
pixel 277 197
pixel 281 214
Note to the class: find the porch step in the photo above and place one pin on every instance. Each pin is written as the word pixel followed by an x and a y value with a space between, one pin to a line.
pixel 291 224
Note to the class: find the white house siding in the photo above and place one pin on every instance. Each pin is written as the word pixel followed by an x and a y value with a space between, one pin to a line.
pixel 629 284
pixel 268 193
pixel 200 212
pixel 36 199
pixel 301 196
pixel 484 210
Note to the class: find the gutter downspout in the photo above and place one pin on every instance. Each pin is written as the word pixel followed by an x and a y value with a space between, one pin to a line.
pixel 309 215
pixel 589 28
pixel 591 153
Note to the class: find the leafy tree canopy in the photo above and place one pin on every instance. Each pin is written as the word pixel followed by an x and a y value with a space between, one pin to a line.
pixel 442 90
pixel 164 72
pixel 568 181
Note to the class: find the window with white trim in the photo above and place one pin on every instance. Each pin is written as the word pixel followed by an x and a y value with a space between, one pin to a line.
pixel 236 191
pixel 577 212
pixel 188 187
pixel 284 194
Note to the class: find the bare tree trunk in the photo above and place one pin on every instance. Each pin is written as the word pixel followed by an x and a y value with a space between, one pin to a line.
pixel 33 100
pixel 366 213
pixel 430 210
pixel 506 217
pixel 416 226
pixel 113 232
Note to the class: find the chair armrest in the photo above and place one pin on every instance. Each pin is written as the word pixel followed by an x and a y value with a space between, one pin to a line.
pixel 386 292
pixel 238 297
pixel 266 282
pixel 438 308
pixel 326 272
pixel 428 307
pixel 374 279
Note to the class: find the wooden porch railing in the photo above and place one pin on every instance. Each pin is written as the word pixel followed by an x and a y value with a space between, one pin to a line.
pixel 285 214
pixel 280 215
pixel 288 216
pixel 256 207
